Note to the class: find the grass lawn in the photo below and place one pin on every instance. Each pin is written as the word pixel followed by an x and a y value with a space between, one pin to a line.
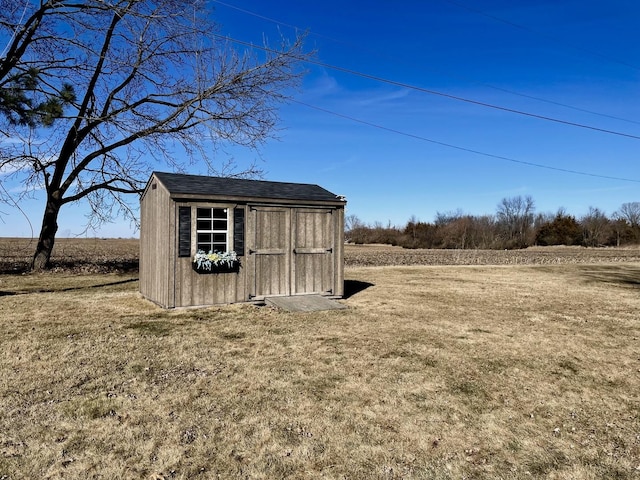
pixel 432 372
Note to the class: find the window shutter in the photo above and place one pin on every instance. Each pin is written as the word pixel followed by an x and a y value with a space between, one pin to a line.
pixel 184 231
pixel 238 230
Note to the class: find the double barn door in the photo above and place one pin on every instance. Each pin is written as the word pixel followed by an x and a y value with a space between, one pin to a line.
pixel 291 251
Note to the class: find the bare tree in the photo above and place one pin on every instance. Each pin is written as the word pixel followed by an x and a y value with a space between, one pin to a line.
pixel 630 214
pixel 453 228
pixel 515 215
pixel 444 218
pixel 352 222
pixel 155 85
pixel 485 231
pixel 596 228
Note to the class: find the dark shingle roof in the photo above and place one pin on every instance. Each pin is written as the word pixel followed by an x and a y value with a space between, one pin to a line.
pixel 177 183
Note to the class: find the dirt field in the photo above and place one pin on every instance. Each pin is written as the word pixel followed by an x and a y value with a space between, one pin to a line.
pixel 385 255
pixel 121 255
pixel 79 255
pixel 511 371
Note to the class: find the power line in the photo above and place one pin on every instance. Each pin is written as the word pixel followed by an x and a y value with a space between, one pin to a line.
pixel 257 15
pixel 474 102
pixel 437 93
pixel 560 104
pixel 448 145
pixel 500 89
pixel 531 30
pixel 15 31
pixel 464 149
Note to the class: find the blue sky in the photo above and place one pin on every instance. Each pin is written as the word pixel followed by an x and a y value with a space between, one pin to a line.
pixel 395 150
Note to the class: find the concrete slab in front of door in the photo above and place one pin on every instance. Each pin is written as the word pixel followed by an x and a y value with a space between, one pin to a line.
pixel 304 303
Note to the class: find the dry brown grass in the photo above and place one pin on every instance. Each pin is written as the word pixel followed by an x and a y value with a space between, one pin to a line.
pixel 433 372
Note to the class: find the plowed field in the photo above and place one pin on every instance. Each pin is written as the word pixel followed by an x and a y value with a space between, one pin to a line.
pixel 95 255
pixel 385 255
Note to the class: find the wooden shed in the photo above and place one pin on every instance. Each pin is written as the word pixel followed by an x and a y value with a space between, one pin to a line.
pixel 288 239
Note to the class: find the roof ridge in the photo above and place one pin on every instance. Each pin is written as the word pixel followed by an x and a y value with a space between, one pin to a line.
pixel 207 185
pixel 236 178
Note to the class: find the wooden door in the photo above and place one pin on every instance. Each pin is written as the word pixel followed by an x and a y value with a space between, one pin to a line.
pixel 269 250
pixel 313 251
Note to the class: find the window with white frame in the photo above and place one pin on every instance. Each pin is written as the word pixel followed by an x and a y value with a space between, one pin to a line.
pixel 212 229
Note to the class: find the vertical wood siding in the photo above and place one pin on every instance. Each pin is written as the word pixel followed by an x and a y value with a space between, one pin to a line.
pixel 313 251
pixel 155 252
pixel 194 288
pixel 269 245
pixel 295 251
pixel 338 257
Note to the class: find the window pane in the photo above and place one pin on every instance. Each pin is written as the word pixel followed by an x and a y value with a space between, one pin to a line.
pixel 220 237
pixel 204 237
pixel 219 213
pixel 219 225
pixel 204 213
pixel 204 224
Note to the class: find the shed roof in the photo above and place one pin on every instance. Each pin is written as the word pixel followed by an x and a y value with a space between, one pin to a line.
pixel 183 184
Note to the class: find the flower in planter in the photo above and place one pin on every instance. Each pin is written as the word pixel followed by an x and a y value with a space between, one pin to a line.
pixel 212 260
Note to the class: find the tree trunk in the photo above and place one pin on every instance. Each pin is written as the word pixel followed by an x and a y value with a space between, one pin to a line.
pixel 47 237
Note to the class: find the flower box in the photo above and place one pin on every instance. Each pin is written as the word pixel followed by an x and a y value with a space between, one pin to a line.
pixel 216 262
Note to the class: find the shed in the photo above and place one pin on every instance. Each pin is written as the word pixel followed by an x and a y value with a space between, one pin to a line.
pixel 288 238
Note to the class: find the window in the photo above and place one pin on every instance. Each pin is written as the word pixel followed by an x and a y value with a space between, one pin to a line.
pixel 216 229
pixel 212 229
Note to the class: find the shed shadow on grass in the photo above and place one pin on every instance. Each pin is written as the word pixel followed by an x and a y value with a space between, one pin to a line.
pixel 623 275
pixel 351 287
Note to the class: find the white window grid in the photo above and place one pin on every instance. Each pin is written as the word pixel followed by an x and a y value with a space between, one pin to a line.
pixel 212 229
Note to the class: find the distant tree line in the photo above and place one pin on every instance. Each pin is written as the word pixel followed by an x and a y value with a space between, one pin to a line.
pixel 515 224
